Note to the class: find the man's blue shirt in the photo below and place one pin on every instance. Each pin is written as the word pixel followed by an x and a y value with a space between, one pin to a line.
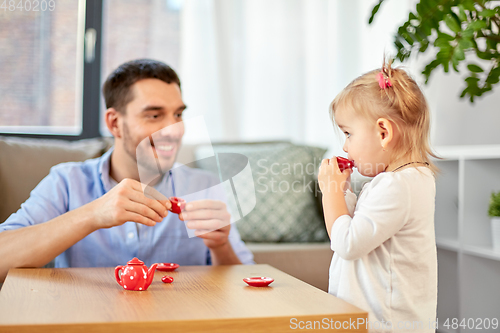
pixel 72 185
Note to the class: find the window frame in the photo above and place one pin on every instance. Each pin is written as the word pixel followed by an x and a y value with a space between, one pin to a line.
pixel 91 92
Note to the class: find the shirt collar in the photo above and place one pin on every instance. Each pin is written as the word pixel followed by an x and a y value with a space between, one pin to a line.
pixel 108 183
pixel 104 170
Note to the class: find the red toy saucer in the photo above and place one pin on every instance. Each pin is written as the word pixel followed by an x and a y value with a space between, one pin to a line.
pixel 167 267
pixel 258 281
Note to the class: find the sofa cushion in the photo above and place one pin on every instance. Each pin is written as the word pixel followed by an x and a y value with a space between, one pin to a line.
pixel 25 162
pixel 285 181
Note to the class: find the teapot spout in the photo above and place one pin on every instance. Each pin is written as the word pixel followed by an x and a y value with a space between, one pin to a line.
pixel 151 274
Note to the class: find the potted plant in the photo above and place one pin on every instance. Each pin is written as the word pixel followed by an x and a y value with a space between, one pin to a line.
pixel 494 213
pixel 458 31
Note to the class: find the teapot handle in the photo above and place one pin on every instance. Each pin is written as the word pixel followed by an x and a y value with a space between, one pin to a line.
pixel 117 276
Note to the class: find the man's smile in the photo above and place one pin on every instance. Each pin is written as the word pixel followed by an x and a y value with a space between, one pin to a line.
pixel 164 148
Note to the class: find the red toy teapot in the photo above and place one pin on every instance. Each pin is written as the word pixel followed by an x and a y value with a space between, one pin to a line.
pixel 135 276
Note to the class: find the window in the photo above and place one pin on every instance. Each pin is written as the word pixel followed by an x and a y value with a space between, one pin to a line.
pixel 50 59
pixel 41 66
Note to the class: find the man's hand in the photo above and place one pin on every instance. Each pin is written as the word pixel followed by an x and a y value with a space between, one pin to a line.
pixel 210 220
pixel 127 202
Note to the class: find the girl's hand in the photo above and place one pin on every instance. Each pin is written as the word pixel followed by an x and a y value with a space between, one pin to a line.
pixel 347 184
pixel 331 179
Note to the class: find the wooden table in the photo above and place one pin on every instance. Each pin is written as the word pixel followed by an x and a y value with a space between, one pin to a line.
pixel 201 299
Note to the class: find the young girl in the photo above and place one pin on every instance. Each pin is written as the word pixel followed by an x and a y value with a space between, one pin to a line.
pixel 384 245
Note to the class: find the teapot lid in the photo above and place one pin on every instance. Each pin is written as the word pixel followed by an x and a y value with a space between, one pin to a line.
pixel 135 261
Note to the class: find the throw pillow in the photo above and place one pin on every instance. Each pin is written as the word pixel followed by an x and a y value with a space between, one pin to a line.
pixel 285 185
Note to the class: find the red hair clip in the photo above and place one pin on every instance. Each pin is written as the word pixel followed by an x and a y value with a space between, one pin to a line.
pixel 383 82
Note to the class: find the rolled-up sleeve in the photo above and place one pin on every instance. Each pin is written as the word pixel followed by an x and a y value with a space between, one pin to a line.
pixel 48 200
pixel 377 218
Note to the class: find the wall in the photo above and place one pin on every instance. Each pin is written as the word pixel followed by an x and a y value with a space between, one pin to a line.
pixel 260 70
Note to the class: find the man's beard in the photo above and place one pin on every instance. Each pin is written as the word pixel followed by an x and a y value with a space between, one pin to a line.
pixel 147 166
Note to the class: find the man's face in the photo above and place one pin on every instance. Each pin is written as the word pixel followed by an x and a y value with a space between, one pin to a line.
pixel 152 125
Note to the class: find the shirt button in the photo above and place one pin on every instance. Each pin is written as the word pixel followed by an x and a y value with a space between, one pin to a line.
pixel 130 235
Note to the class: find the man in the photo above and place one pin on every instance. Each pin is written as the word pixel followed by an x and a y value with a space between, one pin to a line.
pixel 81 213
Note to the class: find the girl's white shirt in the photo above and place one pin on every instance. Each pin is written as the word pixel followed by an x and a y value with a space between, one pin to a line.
pixel 385 259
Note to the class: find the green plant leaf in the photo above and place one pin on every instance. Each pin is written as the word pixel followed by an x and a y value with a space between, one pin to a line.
pixel 477 25
pixel 445 36
pixel 398 44
pixel 468 33
pixel 405 35
pixel 465 43
pixel 464 92
pixel 413 19
pixel 494 206
pixel 487 13
pixel 452 23
pixel 472 87
pixel 469 5
pixel 427 27
pixel 493 76
pixel 423 46
pixel 484 55
pixel 491 44
pixel 458 53
pixel 374 11
pixel 475 68
pixel 444 54
pixel 442 43
pixel 474 30
pixel 472 80
pixel 461 13
pixel 486 89
pixel 429 68
pixel 421 33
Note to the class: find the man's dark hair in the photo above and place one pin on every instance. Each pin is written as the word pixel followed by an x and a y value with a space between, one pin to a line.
pixel 116 89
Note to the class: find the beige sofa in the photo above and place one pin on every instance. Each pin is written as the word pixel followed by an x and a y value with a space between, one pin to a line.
pixel 24 162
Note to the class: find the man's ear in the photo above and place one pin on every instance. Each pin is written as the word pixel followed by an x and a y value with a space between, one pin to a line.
pixel 385 131
pixel 113 118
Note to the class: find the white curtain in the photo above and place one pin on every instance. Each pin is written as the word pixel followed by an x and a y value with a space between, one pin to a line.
pixel 268 69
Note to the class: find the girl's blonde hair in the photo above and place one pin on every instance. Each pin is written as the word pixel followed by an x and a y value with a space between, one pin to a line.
pixel 403 103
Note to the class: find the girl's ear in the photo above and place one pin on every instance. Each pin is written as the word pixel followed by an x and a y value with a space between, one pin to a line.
pixel 385 132
pixel 112 119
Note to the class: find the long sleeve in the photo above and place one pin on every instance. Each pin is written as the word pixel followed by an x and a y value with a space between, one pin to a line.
pixel 48 200
pixel 377 218
pixel 385 259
